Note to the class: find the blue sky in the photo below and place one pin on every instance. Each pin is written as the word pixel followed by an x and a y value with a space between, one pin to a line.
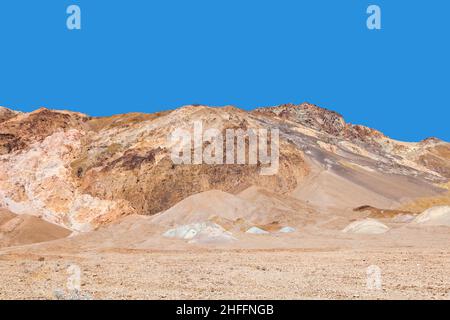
pixel 141 55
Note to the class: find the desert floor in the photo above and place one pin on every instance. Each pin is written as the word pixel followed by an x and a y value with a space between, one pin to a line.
pixel 414 263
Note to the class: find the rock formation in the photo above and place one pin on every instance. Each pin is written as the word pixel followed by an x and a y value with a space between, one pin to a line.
pixel 82 172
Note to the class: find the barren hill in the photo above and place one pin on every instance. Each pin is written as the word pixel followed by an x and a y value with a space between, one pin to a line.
pixel 18 230
pixel 82 172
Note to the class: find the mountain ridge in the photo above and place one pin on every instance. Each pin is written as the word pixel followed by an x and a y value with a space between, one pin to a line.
pixel 82 172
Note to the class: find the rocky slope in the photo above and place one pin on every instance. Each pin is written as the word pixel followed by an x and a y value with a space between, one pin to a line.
pixel 24 229
pixel 82 172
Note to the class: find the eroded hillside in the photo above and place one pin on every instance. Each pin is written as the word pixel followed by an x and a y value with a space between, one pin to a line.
pixel 81 172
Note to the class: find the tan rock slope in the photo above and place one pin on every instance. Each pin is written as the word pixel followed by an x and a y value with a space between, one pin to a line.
pixel 18 230
pixel 82 172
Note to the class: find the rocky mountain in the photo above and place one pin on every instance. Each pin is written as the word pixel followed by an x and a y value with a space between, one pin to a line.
pixel 81 172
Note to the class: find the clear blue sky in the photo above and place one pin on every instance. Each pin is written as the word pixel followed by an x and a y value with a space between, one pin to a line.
pixel 142 55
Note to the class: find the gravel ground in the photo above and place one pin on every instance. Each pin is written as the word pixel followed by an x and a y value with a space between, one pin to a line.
pixel 406 273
